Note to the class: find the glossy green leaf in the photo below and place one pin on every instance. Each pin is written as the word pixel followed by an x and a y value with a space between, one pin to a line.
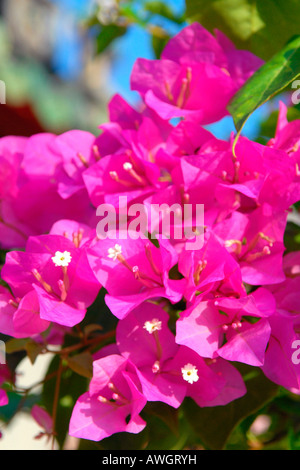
pixel 273 77
pixel 261 26
pixel 158 45
pixel 107 35
pixel 157 7
pixel 215 425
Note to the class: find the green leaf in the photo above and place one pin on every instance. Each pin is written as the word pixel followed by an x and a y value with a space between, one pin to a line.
pixel 156 7
pixel 261 26
pixel 2 259
pixel 158 45
pixel 33 349
pixel 16 402
pixel 15 345
pixel 107 35
pixel 82 364
pixel 166 413
pixel 294 439
pixel 269 80
pixel 215 425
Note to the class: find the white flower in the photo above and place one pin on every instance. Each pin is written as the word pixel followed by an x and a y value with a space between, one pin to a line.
pixel 114 252
pixel 151 326
pixel 62 259
pixel 190 373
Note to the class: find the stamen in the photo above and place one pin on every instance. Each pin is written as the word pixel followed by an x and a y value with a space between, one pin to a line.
pixel 224 175
pixel 63 290
pixel 82 159
pixel 156 367
pixel 114 176
pixel 129 168
pixel 119 398
pixel 168 91
pixel 229 243
pixel 293 149
pixel 189 74
pixel 102 399
pixel 183 90
pixel 265 237
pixel 225 71
pixel 77 238
pixel 66 280
pixel 112 387
pixel 96 153
pixel 13 303
pixel 150 259
pixel 200 266
pixel 151 157
pixel 39 278
pixel 265 251
pixel 237 167
pixel 116 394
pixel 185 197
pixel 255 240
pixel 145 280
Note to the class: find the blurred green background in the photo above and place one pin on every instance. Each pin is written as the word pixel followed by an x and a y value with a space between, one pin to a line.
pixel 62 61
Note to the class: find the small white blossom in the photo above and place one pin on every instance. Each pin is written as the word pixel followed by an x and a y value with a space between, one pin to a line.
pixel 62 259
pixel 114 252
pixel 151 326
pixel 190 373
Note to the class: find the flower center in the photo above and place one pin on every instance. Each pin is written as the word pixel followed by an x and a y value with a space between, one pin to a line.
pixel 62 259
pixel 115 252
pixel 151 326
pixel 190 373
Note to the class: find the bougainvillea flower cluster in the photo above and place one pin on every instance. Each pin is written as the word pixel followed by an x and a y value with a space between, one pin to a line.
pixel 185 317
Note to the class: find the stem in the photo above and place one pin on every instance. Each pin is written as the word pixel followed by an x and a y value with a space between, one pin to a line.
pixel 56 397
pixel 90 342
pixel 26 391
